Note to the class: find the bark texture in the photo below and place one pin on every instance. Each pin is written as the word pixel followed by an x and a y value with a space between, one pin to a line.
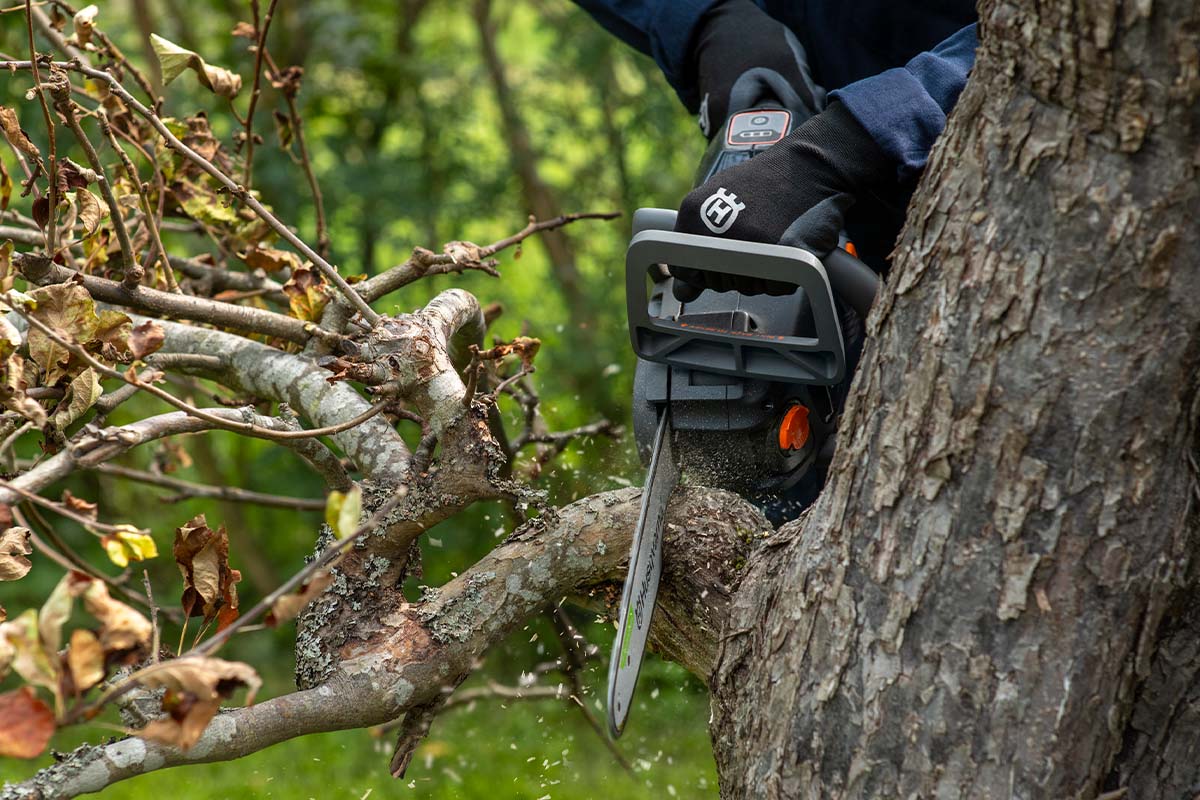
pixel 985 601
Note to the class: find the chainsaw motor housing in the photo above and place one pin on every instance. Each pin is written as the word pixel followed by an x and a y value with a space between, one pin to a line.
pixel 754 383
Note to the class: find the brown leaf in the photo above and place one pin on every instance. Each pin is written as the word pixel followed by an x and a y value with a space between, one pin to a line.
pixel 6 187
pixel 78 504
pixel 91 212
pixel 68 309
pixel 288 606
pixel 122 628
pixel 206 678
pixel 288 79
pixel 41 211
pixel 269 259
pixel 308 293
pixel 72 176
pixel 146 339
pixel 10 123
pixel 195 687
pixel 244 30
pixel 82 393
pixel 186 719
pixel 26 724
pixel 13 384
pixel 203 558
pixel 14 547
pixel 85 658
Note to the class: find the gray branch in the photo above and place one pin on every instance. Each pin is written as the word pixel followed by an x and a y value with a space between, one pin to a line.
pixel 577 551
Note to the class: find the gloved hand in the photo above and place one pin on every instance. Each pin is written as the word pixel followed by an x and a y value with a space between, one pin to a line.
pixel 734 37
pixel 796 192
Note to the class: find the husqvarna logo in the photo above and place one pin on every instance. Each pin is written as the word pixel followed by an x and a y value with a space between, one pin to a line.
pixel 720 210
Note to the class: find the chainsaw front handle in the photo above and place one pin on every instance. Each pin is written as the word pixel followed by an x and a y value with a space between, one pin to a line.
pixel 819 360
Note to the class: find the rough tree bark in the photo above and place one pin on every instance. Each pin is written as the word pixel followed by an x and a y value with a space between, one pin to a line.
pixel 991 597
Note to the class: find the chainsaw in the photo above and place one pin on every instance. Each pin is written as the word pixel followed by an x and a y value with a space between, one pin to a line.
pixel 738 392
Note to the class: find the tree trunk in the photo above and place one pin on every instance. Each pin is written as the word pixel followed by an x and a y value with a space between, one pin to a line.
pixel 994 596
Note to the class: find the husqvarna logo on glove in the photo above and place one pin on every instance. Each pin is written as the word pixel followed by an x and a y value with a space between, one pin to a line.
pixel 720 210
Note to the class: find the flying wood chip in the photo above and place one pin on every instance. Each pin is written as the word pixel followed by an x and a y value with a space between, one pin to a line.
pixel 209 583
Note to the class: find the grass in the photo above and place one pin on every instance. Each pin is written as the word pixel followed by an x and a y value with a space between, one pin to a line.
pixel 529 750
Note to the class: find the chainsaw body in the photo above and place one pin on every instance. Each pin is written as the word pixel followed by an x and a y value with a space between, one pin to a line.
pixel 736 369
pixel 740 392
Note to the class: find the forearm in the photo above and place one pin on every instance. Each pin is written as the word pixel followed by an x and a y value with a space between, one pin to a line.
pixel 904 109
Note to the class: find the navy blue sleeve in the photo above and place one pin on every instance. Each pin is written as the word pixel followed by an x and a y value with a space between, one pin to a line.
pixel 904 109
pixel 662 29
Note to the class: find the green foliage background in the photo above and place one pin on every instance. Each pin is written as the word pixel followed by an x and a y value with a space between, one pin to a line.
pixel 411 149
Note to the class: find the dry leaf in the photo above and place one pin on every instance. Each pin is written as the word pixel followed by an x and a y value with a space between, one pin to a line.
pixel 85 23
pixel 91 211
pixel 203 558
pixel 195 687
pixel 26 724
pixel 288 606
pixel 206 678
pixel 185 722
pixel 82 393
pixel 308 293
pixel 79 505
pixel 174 60
pixel 85 658
pixel 55 612
pixel 68 309
pixel 14 547
pixel 24 652
pixel 270 259
pixel 121 627
pixel 146 339
pixel 10 123
pixel 6 187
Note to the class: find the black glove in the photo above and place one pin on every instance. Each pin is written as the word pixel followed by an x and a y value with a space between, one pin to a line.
pixel 736 37
pixel 795 193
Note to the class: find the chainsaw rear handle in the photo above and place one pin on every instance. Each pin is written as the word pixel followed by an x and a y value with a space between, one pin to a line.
pixel 854 283
pixel 819 360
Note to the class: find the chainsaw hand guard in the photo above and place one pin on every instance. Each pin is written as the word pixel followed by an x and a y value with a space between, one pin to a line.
pixel 819 360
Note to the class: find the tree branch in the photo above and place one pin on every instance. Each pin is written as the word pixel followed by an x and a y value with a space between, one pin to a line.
pixel 578 550
pixel 42 271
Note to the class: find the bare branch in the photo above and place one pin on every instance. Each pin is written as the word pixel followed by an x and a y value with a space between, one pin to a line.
pixel 261 371
pixel 42 271
pixel 424 262
pixel 186 490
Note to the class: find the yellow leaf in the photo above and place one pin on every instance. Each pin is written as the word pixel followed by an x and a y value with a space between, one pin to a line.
pixel 342 511
pixel 140 545
pixel 116 551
